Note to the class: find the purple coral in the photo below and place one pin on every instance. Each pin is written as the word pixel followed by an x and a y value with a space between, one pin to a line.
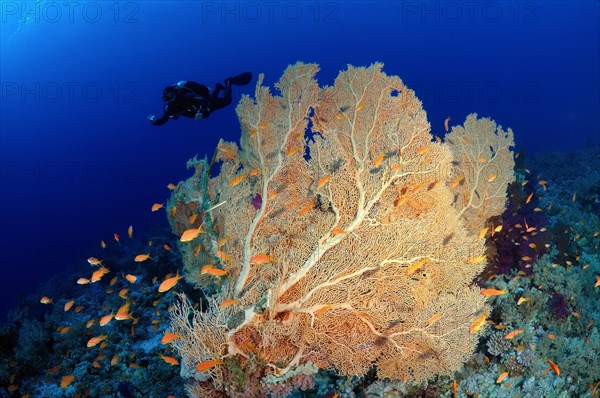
pixel 558 306
pixel 257 201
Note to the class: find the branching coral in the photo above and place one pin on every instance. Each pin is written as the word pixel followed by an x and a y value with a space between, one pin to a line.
pixel 359 253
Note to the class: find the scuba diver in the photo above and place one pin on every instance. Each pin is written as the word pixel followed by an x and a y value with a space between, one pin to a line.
pixel 194 100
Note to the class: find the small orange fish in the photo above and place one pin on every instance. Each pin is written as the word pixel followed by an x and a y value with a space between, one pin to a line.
pixel 423 149
pixel 66 381
pixel 597 281
pixel 492 177
pixel 236 180
pixel 123 293
pixel 446 128
pixel 379 159
pixel 167 247
pixel 94 261
pixel 169 283
pixel 191 234
pixel 46 300
pixel 83 281
pixel 206 268
pixel 529 198
pixel 551 336
pixel 338 231
pixel 216 272
pixel 492 292
pixel 522 300
pixel 554 367
pixel 130 231
pixel 170 360
pixel 434 318
pixel 416 266
pixel 478 323
pixel 454 385
pixel 306 208
pixel 142 257
pixel 169 338
pixel 116 236
pixel 255 172
pixel 68 305
pixel 94 341
pixel 123 312
pixel 476 260
pixel 513 334
pixel 105 320
pixel 227 303
pixel 206 365
pixel 103 244
pixel 131 278
pixel 260 259
pixel 157 206
pixel 456 181
pixel 114 360
pixel 501 377
pixel 171 186
pixel 97 275
pixel 483 232
pixel 321 183
pixel 223 256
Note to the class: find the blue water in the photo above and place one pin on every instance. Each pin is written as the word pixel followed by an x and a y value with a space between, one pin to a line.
pixel 79 161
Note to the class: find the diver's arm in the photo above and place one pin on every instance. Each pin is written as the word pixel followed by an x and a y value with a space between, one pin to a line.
pixel 161 120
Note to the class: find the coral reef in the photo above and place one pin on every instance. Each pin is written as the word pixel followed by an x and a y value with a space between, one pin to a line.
pixel 362 246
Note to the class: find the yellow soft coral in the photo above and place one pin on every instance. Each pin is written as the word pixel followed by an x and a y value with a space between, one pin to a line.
pixel 371 243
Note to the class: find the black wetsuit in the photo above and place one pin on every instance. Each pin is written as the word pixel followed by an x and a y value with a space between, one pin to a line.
pixel 191 99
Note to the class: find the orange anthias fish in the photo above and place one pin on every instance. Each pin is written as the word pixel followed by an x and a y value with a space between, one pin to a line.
pixel 446 123
pixel 116 236
pixel 83 281
pixel 131 278
pixel 321 183
pixel 66 381
pixel 227 303
pixel 191 234
pixel 554 367
pixel 157 206
pixel 123 313
pixel 69 304
pixel 142 257
pixel 94 341
pixel 170 360
pixel 492 292
pixel 260 259
pixel 206 365
pixel 46 300
pixel 501 377
pixel 169 283
pixel 216 271
pixel 105 320
pixel 478 324
pixel 169 337
pixel 513 334
pixel 97 275
pixel 94 261
pixel 130 231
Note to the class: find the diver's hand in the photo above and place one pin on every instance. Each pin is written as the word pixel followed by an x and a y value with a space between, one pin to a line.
pixel 152 119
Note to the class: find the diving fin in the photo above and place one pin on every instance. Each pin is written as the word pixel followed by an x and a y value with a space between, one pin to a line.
pixel 240 80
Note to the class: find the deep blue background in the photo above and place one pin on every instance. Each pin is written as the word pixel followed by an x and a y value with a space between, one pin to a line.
pixel 79 161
